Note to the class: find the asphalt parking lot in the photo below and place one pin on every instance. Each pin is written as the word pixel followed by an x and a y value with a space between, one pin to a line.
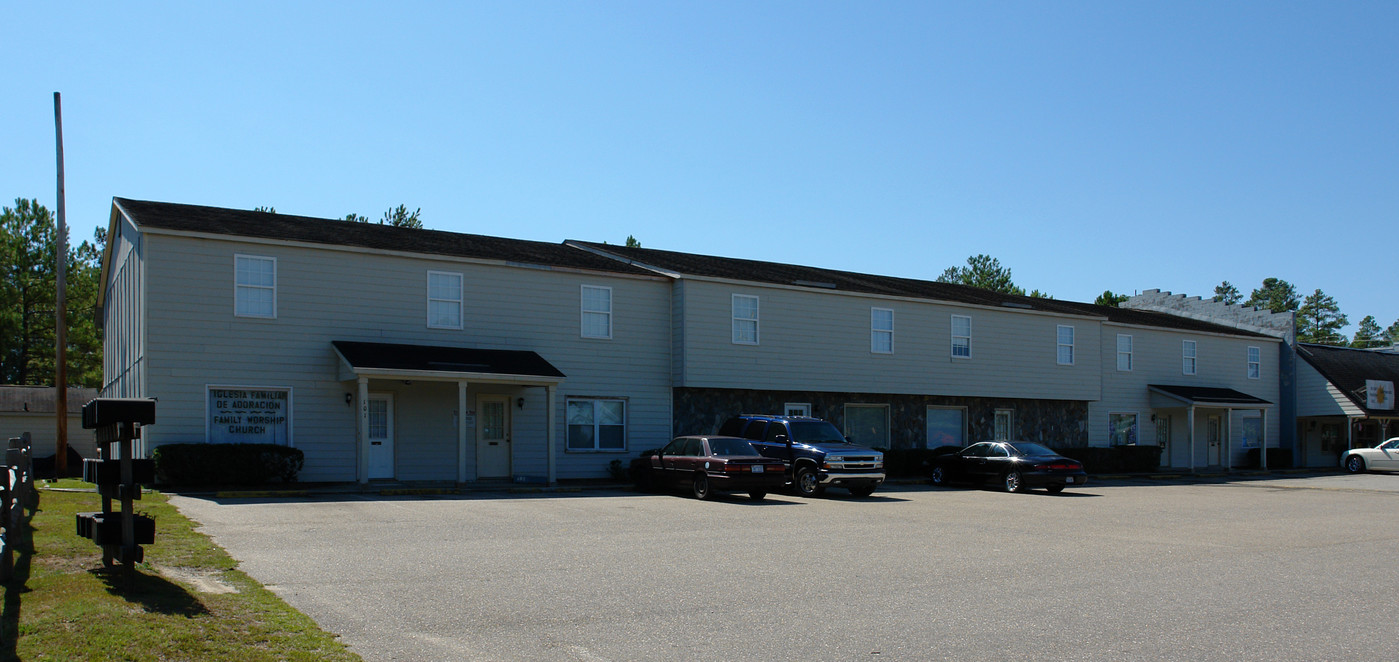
pixel 1297 568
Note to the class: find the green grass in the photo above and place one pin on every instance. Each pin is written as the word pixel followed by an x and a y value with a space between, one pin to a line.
pixel 63 604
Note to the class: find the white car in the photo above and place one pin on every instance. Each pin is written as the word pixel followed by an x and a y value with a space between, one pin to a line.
pixel 1384 457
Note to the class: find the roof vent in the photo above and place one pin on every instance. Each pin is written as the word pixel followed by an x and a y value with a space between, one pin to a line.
pixel 1016 304
pixel 812 283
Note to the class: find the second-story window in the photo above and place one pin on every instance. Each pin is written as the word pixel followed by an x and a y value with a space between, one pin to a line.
pixel 443 300
pixel 961 336
pixel 1124 352
pixel 882 330
pixel 597 312
pixel 1066 345
pixel 254 286
pixel 745 319
pixel 1255 363
pixel 1187 357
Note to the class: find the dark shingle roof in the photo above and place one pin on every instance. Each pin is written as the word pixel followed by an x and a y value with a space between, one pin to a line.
pixel 425 358
pixel 831 279
pixel 286 227
pixel 1208 395
pixel 1347 369
pixel 42 399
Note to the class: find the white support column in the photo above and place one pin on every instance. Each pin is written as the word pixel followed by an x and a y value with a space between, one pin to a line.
pixel 362 469
pixel 461 432
pixel 1263 437
pixel 1190 425
pixel 550 437
pixel 1229 439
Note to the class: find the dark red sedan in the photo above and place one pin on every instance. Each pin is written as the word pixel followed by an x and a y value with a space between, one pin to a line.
pixel 708 465
pixel 1015 465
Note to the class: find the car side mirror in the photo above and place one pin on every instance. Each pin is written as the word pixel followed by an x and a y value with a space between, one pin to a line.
pixel 782 439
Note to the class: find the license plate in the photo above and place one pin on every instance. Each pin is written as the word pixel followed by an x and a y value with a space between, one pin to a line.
pixel 757 468
pixel 1070 479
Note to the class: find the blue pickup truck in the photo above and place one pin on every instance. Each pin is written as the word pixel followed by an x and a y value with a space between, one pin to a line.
pixel 817 455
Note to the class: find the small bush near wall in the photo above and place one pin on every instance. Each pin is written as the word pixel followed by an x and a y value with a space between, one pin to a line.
pixel 1115 459
pixel 906 462
pixel 226 464
pixel 1278 458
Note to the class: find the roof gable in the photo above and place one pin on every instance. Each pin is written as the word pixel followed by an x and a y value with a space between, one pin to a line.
pixel 1347 369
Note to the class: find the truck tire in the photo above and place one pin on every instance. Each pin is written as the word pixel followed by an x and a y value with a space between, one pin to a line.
pixel 805 482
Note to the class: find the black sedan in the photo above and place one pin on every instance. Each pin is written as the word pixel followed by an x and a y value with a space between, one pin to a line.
pixel 708 465
pixel 1015 465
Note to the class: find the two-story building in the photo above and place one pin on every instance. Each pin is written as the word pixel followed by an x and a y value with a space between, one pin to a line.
pixel 386 352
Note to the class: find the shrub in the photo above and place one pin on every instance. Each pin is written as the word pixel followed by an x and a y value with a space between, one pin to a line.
pixel 226 464
pixel 1278 458
pixel 1115 459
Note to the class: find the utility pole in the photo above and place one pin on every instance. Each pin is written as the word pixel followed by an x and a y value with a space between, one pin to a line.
pixel 60 374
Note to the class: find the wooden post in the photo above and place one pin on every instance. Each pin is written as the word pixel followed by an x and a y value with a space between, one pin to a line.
pixel 60 376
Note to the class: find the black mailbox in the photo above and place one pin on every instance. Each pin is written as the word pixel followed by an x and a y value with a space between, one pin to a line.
pixel 102 412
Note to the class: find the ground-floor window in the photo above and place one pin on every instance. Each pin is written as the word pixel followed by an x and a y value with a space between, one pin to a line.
pixel 1003 426
pixel 947 426
pixel 1251 432
pixel 797 409
pixel 1122 429
pixel 249 415
pixel 597 424
pixel 867 425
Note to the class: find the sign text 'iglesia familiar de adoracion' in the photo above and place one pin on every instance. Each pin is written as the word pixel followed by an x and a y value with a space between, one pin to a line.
pixel 248 415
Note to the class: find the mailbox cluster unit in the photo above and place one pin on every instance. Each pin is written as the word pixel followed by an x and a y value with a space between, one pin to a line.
pixel 119 476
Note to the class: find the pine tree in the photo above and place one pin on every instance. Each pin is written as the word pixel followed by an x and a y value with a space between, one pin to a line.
pixel 1225 292
pixel 1367 334
pixel 1276 295
pixel 982 271
pixel 1320 320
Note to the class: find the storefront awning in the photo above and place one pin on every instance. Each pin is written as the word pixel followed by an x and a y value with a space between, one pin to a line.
pixel 432 363
pixel 1203 396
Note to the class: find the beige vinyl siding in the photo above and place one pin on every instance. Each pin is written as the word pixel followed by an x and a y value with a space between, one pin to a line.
pixel 329 294
pixel 820 341
pixel 1318 397
pixel 1222 361
pixel 123 316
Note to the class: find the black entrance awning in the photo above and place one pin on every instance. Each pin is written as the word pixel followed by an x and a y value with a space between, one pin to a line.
pixel 1207 396
pixel 372 359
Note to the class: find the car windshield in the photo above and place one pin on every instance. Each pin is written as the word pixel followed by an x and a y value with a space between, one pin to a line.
pixel 1030 448
pixel 815 432
pixel 731 447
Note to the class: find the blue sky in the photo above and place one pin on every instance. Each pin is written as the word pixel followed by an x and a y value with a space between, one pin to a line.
pixel 1086 145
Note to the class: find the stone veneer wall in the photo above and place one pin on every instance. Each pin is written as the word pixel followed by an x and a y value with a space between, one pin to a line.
pixel 1052 422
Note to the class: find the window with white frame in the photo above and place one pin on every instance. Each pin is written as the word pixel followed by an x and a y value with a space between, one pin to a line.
pixel 961 337
pixel 882 330
pixel 1003 424
pixel 1124 351
pixel 597 424
pixel 597 312
pixel 1122 429
pixel 255 286
pixel 796 409
pixel 444 300
pixel 1255 363
pixel 1066 344
pixel 745 319
pixel 1187 357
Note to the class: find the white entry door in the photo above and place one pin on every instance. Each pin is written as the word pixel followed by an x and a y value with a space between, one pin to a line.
pixel 492 436
pixel 381 435
pixel 1214 438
